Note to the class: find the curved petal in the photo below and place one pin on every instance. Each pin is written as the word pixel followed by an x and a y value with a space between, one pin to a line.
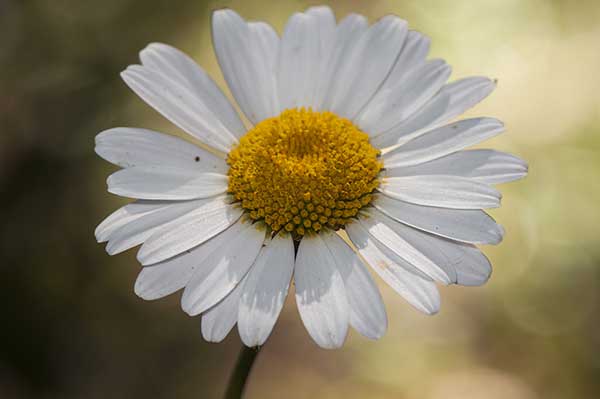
pixel 325 22
pixel 378 226
pixel 359 77
pixel 180 105
pixel 164 183
pixel 395 103
pixel 451 101
pixel 367 312
pixel 321 294
pixel 245 59
pixel 127 147
pixel 190 230
pixel 463 263
pixel 466 225
pixel 124 215
pixel 164 278
pixel 464 94
pixel 486 166
pixel 267 42
pixel 265 290
pixel 174 64
pixel 222 271
pixel 413 54
pixel 419 292
pixel 298 66
pixel 143 220
pixel 443 141
pixel 441 191
pixel 415 125
pixel 347 33
pixel 218 321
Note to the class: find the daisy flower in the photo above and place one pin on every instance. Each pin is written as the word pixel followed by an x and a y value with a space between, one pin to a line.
pixel 349 132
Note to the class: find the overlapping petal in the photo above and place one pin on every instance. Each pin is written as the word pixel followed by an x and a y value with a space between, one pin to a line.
pixel 265 290
pixel 418 291
pixel 367 312
pixel 246 60
pixel 211 217
pixel 321 294
pixel 421 227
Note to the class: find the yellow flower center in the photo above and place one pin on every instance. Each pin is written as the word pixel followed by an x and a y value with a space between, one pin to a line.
pixel 303 170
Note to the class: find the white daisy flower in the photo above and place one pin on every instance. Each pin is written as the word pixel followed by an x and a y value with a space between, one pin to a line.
pixel 351 131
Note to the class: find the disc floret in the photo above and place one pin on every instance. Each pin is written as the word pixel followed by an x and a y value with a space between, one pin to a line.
pixel 304 170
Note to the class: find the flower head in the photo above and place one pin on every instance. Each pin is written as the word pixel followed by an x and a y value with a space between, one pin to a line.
pixel 352 136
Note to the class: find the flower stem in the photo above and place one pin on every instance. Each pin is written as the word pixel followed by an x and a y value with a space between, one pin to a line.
pixel 238 379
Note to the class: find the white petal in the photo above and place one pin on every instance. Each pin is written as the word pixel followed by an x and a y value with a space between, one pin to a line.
pixel 395 103
pixel 320 294
pixel 486 166
pixel 379 226
pixel 164 183
pixel 180 105
pixel 413 54
pixel 222 271
pixel 298 62
pixel 246 65
pixel 442 191
pixel 265 290
pixel 443 141
pixel 164 278
pixel 466 225
pixel 124 215
pixel 325 23
pixel 218 321
pixel 267 42
pixel 463 263
pixel 452 100
pixel 367 312
pixel 360 77
pixel 194 228
pixel 128 147
pixel 472 267
pixel 415 125
pixel 346 35
pixel 144 220
pixel 420 293
pixel 176 65
pixel 464 94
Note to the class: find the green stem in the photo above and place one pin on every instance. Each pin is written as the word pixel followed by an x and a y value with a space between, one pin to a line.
pixel 238 379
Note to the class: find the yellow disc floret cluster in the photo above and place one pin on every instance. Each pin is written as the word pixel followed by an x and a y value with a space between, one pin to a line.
pixel 303 171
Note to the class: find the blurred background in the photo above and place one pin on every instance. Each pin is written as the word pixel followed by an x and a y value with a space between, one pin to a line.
pixel 73 328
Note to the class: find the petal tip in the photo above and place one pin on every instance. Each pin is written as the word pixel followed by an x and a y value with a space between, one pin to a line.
pixel 221 14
